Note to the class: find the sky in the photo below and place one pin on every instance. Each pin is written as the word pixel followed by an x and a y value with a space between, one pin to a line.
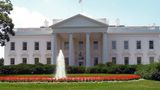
pixel 33 13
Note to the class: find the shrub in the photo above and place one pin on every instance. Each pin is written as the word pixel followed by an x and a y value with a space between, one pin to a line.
pixel 49 69
pixel 150 71
pixel 1 61
pixel 121 69
pixel 27 69
pixel 75 69
pixel 24 69
pixel 156 76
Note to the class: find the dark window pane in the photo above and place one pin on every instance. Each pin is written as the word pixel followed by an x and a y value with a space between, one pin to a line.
pixel 139 60
pixel 12 46
pixel 12 61
pixel 126 44
pixel 138 44
pixel 81 63
pixel 151 60
pixel 126 60
pixel 48 60
pixel 24 60
pixel 67 61
pixel 66 45
pixel 114 60
pixel 80 45
pixel 48 45
pixel 36 60
pixel 36 46
pixel 24 46
pixel 151 44
pixel 95 44
pixel 114 45
pixel 95 61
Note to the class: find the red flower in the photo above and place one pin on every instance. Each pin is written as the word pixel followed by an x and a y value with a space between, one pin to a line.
pixel 68 79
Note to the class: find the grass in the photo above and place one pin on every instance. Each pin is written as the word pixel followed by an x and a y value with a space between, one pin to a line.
pixel 131 85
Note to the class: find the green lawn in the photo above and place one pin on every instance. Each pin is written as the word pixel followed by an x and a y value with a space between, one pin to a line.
pixel 129 85
pixel 132 85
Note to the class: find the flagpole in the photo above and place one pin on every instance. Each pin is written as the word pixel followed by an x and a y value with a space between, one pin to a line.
pixel 81 6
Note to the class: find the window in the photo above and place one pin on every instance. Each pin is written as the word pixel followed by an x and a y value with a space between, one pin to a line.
pixel 113 44
pixel 80 63
pixel 80 45
pixel 67 61
pixel 151 44
pixel 95 44
pixel 36 60
pixel 24 46
pixel 48 60
pixel 66 45
pixel 12 47
pixel 126 60
pixel 48 45
pixel 151 60
pixel 114 60
pixel 138 44
pixel 12 61
pixel 24 60
pixel 139 60
pixel 36 46
pixel 126 45
pixel 95 61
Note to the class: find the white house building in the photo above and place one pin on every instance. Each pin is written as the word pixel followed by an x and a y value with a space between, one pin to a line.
pixel 84 41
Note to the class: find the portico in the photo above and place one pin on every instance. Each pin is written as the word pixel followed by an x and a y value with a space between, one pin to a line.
pixel 82 39
pixel 84 45
pixel 84 49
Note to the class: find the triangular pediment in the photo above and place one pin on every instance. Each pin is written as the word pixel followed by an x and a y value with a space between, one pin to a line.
pixel 79 21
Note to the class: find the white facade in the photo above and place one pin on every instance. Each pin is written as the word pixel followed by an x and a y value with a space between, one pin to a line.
pixel 84 41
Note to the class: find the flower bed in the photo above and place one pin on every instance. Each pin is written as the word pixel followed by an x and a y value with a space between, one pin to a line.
pixel 68 79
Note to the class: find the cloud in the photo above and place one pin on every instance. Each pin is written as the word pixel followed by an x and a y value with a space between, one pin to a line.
pixel 46 1
pixel 23 17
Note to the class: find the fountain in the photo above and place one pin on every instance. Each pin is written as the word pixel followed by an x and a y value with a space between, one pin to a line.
pixel 60 66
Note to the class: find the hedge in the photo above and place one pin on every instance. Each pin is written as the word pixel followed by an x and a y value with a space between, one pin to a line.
pixel 49 69
pixel 150 71
pixel 27 69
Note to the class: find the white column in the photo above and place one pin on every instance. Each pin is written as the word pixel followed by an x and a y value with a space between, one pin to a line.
pixel 88 49
pixel 54 48
pixel 105 48
pixel 71 52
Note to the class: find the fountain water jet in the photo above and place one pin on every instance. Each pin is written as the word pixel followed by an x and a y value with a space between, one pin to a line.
pixel 60 66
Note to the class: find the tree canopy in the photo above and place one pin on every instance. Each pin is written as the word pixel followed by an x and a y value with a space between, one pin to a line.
pixel 6 25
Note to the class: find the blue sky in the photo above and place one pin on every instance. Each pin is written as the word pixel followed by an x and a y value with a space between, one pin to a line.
pixel 32 13
pixel 130 12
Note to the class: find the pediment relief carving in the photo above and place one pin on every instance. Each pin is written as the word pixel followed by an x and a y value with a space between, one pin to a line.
pixel 79 21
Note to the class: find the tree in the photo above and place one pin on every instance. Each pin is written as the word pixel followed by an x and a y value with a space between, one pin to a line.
pixel 6 25
pixel 1 61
